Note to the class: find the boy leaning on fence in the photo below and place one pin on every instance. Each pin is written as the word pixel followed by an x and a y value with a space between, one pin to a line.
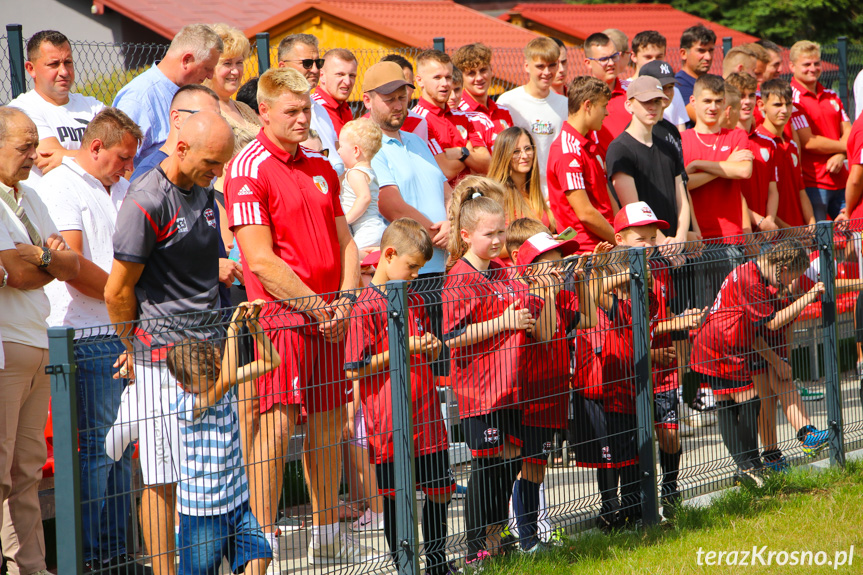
pixel 213 502
pixel 405 249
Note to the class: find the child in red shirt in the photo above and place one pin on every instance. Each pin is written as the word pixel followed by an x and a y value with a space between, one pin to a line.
pixel 484 326
pixel 405 248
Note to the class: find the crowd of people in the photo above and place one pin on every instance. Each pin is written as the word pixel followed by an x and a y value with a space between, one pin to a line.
pixel 507 216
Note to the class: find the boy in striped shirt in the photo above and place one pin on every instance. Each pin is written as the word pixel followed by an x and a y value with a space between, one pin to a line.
pixel 215 518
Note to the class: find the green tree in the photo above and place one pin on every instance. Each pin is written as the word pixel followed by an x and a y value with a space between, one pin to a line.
pixel 782 21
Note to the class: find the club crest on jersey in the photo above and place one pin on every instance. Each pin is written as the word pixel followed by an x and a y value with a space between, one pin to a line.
pixel 765 155
pixel 794 159
pixel 503 124
pixel 491 435
pixel 321 184
pixel 181 225
pixel 835 105
pixel 211 217
pixel 462 131
pixel 546 447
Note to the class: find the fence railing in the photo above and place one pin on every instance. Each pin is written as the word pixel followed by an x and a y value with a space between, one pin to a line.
pixel 103 68
pixel 645 348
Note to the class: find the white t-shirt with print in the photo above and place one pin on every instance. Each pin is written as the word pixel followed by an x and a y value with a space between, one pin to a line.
pixel 78 201
pixel 66 123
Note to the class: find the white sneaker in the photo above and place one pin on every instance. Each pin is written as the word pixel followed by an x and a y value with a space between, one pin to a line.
pixel 370 521
pixel 344 550
pixel 275 545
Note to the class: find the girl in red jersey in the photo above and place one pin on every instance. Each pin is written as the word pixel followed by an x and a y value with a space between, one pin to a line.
pixel 724 349
pixel 484 326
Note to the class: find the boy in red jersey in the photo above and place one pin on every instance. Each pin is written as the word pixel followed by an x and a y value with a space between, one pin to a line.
pixel 854 211
pixel 489 118
pixel 405 248
pixel 724 351
pixel 716 158
pixel 794 208
pixel 577 182
pixel 545 374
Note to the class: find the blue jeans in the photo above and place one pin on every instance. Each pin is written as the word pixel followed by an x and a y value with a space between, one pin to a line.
pixel 826 202
pixel 105 484
pixel 205 539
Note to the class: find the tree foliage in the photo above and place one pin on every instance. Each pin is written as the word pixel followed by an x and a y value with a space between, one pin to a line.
pixel 782 21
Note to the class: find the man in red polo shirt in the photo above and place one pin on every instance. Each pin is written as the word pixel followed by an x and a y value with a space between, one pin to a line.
pixel 489 119
pixel 601 57
pixel 338 77
pixel 822 128
pixel 280 196
pixel 455 143
pixel 577 182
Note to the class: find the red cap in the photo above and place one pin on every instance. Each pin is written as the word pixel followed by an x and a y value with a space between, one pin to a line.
pixel 372 259
pixel 541 243
pixel 637 214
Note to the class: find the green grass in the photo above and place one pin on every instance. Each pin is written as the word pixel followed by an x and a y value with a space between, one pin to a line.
pixel 797 511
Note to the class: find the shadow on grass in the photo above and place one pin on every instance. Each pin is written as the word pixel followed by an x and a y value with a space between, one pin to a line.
pixel 733 504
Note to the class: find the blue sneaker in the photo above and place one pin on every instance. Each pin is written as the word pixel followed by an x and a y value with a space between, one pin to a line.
pixel 815 442
pixel 460 491
pixel 777 465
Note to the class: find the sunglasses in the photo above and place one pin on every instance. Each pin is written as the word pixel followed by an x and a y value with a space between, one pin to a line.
pixel 307 63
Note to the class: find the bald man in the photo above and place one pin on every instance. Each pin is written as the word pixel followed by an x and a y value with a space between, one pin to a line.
pixel 166 263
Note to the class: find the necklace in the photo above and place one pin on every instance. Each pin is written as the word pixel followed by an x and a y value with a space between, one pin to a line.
pixel 712 147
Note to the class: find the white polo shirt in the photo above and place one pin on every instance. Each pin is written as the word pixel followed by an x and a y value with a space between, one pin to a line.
pixel 78 201
pixel 323 126
pixel 66 123
pixel 24 312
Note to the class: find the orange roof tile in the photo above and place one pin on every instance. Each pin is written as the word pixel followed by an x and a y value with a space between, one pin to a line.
pixel 581 20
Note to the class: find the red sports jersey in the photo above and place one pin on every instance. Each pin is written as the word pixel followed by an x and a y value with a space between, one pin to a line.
pixel 618 118
pixel 855 158
pixel 448 129
pixel 664 377
pixel 369 336
pixel 577 163
pixel 297 197
pixel 544 369
pixel 790 181
pixel 717 203
pixel 488 121
pixel 764 171
pixel 485 374
pixel 723 345
pixel 340 112
pixel 823 113
pixel 618 363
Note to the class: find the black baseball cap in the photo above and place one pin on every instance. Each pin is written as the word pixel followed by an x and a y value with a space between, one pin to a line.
pixel 659 69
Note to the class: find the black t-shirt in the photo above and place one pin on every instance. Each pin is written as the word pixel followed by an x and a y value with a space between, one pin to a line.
pixel 654 170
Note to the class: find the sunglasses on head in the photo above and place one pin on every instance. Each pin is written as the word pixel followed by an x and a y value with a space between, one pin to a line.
pixel 307 63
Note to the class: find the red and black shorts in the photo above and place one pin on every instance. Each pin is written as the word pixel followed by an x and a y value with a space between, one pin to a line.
pixel 538 444
pixel 622 438
pixel 432 471
pixel 589 432
pixel 665 408
pixel 485 434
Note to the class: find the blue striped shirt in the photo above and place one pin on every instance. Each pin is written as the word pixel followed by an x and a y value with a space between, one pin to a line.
pixel 212 476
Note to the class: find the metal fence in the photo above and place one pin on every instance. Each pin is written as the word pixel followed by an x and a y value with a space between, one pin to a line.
pixel 589 393
pixel 103 68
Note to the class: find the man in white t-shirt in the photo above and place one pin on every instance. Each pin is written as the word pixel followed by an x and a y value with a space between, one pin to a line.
pixel 300 52
pixel 34 254
pixel 60 115
pixel 83 195
pixel 534 106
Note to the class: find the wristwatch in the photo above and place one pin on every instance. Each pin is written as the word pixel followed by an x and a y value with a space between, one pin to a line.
pixel 351 297
pixel 5 277
pixel 45 258
pixel 465 154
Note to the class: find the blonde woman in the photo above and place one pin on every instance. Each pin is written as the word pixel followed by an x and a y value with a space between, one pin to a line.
pixel 515 166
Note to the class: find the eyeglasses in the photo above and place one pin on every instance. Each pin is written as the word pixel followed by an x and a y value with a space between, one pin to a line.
pixel 188 111
pixel 606 59
pixel 307 63
pixel 527 151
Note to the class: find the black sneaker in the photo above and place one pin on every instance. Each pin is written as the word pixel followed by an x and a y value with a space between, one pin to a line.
pixel 126 565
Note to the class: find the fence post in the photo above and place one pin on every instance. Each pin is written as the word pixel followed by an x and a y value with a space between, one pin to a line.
pixel 643 385
pixel 67 475
pixel 440 44
pixel 726 45
pixel 843 71
pixel 824 238
pixel 407 534
pixel 262 44
pixel 15 39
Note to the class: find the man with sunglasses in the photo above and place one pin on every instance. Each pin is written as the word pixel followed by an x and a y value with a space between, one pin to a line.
pixel 300 52
pixel 601 57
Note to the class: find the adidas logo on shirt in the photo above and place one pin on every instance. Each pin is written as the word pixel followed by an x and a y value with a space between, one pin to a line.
pixel 244 191
pixel 574 164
